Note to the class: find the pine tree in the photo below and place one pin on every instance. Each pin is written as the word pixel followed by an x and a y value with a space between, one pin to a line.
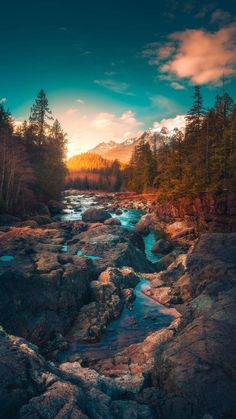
pixel 39 115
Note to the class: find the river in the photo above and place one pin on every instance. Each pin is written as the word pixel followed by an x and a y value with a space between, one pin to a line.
pixel 136 322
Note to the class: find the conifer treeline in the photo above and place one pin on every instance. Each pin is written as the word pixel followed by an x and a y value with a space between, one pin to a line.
pixel 203 158
pixel 91 171
pixel 32 167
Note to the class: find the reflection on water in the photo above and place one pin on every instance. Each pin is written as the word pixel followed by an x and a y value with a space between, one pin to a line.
pixel 133 326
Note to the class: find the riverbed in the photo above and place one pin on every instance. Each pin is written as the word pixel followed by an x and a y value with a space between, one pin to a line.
pixel 137 321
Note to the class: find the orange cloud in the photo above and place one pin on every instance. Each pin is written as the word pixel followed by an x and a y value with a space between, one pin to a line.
pixel 87 130
pixel 203 56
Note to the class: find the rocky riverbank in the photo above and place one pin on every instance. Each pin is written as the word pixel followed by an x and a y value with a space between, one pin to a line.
pixel 67 281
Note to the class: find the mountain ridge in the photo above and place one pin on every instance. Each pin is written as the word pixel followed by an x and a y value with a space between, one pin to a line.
pixel 122 151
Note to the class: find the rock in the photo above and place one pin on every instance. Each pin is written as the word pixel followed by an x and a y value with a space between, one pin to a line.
pixel 109 294
pixel 112 221
pixel 130 409
pixel 41 219
pixel 28 223
pixel 161 294
pixel 202 353
pixel 94 215
pixel 114 247
pixel 213 212
pixel 162 246
pixel 179 229
pixel 55 207
pixel 42 209
pixel 8 220
pixel 119 211
pixel 40 294
pixel 143 227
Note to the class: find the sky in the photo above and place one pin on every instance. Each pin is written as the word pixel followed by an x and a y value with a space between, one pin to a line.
pixel 112 69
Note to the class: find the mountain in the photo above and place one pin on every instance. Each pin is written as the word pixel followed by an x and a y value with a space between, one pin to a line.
pixel 122 151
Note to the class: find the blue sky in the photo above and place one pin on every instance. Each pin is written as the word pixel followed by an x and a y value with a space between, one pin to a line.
pixel 111 69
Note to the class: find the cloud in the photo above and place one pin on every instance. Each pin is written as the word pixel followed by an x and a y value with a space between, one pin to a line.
pixel 110 73
pixel 177 86
pixel 220 16
pixel 164 105
pixel 198 55
pixel 88 129
pixel 70 111
pixel 3 100
pixel 170 123
pixel 80 101
pixel 112 125
pixel 115 86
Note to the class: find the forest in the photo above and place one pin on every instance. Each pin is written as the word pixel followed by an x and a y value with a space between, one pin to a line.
pixel 33 167
pixel 200 159
pixel 91 171
pixel 32 159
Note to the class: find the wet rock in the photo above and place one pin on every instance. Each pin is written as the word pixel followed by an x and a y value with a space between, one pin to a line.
pixel 119 211
pixel 94 215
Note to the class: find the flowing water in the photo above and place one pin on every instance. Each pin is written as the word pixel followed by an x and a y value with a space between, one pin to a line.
pixel 133 326
pixel 135 323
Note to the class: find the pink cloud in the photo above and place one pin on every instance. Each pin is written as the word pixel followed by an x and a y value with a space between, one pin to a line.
pixel 199 55
pixel 70 111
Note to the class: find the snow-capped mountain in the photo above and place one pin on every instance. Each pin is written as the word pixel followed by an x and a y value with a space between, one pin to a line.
pixel 122 151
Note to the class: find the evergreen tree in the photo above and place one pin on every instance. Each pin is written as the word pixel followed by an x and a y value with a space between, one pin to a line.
pixel 142 168
pixel 39 115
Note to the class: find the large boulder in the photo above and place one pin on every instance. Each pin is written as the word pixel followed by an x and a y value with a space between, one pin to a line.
pixel 112 246
pixel 95 215
pixel 40 292
pixel 112 222
pixel 195 372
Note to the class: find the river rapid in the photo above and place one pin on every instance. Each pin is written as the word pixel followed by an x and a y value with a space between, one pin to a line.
pixel 137 321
